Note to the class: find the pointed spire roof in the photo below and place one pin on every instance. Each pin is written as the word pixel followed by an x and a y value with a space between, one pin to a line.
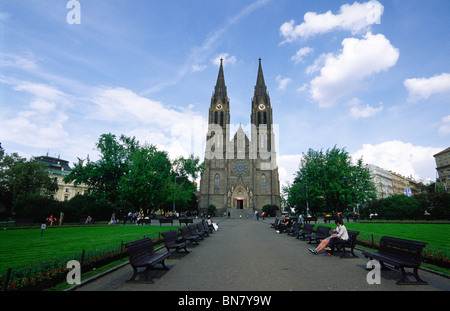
pixel 260 87
pixel 220 88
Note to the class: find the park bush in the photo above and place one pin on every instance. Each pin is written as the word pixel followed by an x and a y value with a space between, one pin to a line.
pixel 435 205
pixel 37 207
pixel 270 209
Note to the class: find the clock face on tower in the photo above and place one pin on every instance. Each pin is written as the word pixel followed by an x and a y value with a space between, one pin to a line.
pixel 240 167
pixel 262 107
pixel 219 106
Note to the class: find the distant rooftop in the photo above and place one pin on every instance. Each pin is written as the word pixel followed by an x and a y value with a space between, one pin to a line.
pixel 443 151
pixel 55 165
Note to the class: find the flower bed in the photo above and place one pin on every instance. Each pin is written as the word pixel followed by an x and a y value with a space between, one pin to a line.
pixel 46 274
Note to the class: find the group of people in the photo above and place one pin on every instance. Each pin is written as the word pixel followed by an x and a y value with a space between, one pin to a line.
pixel 339 235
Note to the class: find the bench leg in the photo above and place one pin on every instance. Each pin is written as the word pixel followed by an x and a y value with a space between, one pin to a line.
pixel 418 281
pixel 133 278
pixel 351 252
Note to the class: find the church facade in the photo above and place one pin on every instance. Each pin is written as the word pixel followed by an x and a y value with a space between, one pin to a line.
pixel 241 173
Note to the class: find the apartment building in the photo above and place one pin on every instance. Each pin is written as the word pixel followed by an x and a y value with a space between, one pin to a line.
pixel 443 168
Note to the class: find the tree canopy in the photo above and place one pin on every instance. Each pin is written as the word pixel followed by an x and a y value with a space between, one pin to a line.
pixel 330 182
pixel 141 176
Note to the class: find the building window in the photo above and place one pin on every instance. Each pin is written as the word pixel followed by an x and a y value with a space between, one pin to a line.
pixel 263 183
pixel 217 163
pixel 216 183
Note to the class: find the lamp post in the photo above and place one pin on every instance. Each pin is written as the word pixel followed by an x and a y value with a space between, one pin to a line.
pixel 174 189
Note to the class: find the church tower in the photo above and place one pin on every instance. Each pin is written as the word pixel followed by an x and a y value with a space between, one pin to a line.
pixel 241 174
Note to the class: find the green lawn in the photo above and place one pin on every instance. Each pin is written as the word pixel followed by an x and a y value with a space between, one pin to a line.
pixel 26 246
pixel 433 234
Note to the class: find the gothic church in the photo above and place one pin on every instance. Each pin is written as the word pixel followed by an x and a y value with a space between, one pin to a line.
pixel 241 173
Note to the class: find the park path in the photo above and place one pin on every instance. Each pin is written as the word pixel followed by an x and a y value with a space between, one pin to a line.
pixel 247 255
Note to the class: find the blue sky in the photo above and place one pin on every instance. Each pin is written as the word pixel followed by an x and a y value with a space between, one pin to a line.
pixel 372 77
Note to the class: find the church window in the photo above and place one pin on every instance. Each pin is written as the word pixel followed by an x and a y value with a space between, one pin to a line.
pixel 216 183
pixel 265 117
pixel 221 118
pixel 262 140
pixel 217 163
pixel 216 118
pixel 263 183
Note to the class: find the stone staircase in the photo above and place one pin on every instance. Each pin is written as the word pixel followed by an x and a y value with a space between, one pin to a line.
pixel 241 213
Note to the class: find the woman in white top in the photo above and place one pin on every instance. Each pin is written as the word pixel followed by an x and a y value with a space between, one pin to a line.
pixel 340 234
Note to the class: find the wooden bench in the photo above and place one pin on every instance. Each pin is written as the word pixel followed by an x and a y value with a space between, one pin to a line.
pixel 166 221
pixel 329 218
pixel 350 243
pixel 194 231
pixel 307 229
pixel 145 220
pixel 295 229
pixel 187 235
pixel 309 219
pixel 24 222
pixel 186 221
pixel 201 229
pixel 142 254
pixel 207 228
pixel 171 241
pixel 321 233
pixel 401 254
pixel 275 223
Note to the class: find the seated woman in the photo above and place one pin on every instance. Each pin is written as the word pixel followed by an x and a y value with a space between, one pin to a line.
pixel 339 234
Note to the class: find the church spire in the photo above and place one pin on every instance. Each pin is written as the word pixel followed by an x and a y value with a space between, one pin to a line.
pixel 260 87
pixel 220 88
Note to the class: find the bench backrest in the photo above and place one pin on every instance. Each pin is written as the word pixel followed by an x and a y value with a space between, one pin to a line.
pixel 169 236
pixel 352 237
pixel 297 226
pixel 401 248
pixel 193 229
pixel 200 227
pixel 185 231
pixel 322 230
pixel 308 227
pixel 140 249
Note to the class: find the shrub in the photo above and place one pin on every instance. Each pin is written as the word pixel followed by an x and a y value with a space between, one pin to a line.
pixel 271 209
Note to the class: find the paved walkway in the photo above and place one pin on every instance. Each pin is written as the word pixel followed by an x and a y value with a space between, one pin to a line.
pixel 247 255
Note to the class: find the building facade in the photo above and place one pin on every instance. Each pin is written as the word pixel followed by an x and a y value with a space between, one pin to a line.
pixel 241 172
pixel 443 168
pixel 58 169
pixel 382 180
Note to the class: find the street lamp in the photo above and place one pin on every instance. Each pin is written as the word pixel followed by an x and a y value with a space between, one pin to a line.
pixel 174 189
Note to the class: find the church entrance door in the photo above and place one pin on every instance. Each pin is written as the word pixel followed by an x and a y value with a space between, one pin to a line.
pixel 240 204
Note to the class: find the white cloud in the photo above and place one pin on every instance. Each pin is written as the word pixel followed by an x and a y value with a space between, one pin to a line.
pixel 283 82
pixel 444 129
pixel 41 122
pixel 358 112
pixel 400 157
pixel 176 130
pixel 356 18
pixel 298 57
pixel 227 59
pixel 196 68
pixel 423 88
pixel 288 166
pixel 359 59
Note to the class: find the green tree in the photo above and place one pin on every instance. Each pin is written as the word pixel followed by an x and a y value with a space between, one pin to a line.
pixel 103 177
pixel 328 181
pixel 131 176
pixel 147 184
pixel 20 178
